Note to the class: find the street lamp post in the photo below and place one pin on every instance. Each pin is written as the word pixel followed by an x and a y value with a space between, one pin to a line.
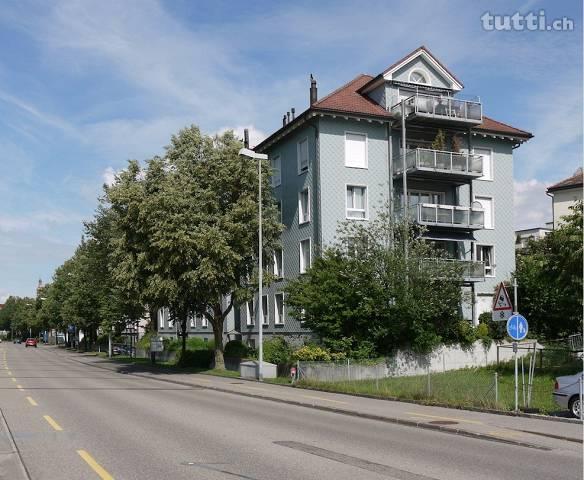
pixel 246 152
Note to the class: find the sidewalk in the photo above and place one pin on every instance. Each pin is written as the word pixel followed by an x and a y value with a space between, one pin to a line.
pixel 528 432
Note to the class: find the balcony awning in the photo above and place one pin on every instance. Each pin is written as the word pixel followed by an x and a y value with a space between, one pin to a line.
pixel 449 236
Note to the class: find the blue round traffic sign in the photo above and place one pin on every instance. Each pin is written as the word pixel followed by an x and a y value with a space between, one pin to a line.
pixel 517 327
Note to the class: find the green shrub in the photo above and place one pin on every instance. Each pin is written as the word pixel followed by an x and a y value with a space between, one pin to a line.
pixel 195 358
pixel 277 350
pixel 311 353
pixel 144 342
pixel 236 348
pixel 197 343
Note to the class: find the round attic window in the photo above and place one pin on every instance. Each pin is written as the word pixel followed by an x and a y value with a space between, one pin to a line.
pixel 417 77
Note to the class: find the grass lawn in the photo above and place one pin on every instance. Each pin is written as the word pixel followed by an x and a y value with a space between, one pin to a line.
pixel 470 387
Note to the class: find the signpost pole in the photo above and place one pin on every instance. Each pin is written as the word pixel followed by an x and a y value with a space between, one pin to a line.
pixel 515 312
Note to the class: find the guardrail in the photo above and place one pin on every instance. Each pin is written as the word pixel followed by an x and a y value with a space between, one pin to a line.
pixel 448 215
pixel 438 106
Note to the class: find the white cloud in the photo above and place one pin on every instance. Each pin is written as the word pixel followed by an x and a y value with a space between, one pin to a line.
pixel 109 176
pixel 532 207
pixel 256 136
pixel 37 222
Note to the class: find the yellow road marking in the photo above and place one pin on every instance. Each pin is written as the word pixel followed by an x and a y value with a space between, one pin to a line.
pixel 9 373
pixel 445 418
pixel 32 402
pixel 96 467
pixel 52 423
pixel 20 387
pixel 13 379
pixel 323 399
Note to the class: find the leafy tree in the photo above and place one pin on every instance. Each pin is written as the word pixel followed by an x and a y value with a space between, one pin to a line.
pixel 549 277
pixel 18 315
pixel 188 228
pixel 364 296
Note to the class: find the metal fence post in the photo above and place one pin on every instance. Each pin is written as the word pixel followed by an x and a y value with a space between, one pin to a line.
pixel 496 388
pixel 348 369
pixel 581 395
pixel 429 387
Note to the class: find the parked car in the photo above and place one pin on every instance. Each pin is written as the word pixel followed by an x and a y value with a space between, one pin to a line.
pixel 16 340
pixel 31 342
pixel 567 393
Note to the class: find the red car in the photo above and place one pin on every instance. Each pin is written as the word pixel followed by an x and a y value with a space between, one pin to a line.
pixel 30 342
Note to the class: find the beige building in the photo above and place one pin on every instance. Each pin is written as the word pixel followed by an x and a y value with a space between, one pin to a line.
pixel 564 194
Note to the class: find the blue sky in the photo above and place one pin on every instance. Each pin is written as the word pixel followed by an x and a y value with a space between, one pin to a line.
pixel 86 85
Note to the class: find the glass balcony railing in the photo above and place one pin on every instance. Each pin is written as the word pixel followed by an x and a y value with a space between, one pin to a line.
pixel 438 107
pixel 471 271
pixel 424 159
pixel 454 216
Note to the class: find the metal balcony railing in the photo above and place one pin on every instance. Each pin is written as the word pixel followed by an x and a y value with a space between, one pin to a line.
pixel 451 108
pixel 470 218
pixel 470 270
pixel 442 161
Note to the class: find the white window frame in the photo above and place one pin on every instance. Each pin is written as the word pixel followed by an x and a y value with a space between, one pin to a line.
pixel 298 147
pixel 487 197
pixel 492 164
pixel 276 180
pixel 304 268
pixel 493 264
pixel 161 324
pixel 192 321
pixel 279 317
pixel 424 74
pixel 347 163
pixel 352 185
pixel 265 311
pixel 249 314
pixel 280 273
pixel 204 322
pixel 301 219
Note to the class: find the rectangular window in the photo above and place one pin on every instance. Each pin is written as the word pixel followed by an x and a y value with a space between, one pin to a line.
pixel 251 343
pixel 279 309
pixel 486 155
pixel 265 312
pixel 304 255
pixel 161 318
pixel 486 254
pixel 356 202
pixel 279 207
pixel 487 206
pixel 192 321
pixel 417 196
pixel 355 150
pixel 278 263
pixel 304 206
pixel 276 171
pixel 204 322
pixel 303 156
pixel 250 313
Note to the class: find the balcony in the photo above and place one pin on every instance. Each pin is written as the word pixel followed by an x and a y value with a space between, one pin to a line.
pixel 450 110
pixel 448 216
pixel 471 271
pixel 426 163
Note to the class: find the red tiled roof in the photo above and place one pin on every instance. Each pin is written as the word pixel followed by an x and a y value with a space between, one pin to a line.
pixel 423 47
pixel 347 99
pixel 576 180
pixel 494 126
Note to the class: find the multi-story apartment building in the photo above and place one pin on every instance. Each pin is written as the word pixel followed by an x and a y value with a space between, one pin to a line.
pixel 564 195
pixel 341 160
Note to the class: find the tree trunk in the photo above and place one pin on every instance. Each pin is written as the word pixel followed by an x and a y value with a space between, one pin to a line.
pixel 183 327
pixel 218 336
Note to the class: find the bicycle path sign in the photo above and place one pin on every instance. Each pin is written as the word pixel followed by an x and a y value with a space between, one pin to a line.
pixel 502 308
pixel 517 327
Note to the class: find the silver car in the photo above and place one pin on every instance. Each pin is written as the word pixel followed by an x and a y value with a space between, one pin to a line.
pixel 567 393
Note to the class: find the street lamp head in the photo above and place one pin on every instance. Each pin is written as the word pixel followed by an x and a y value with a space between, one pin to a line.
pixel 246 152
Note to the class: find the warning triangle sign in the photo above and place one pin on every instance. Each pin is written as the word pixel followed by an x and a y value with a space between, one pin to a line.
pixel 501 301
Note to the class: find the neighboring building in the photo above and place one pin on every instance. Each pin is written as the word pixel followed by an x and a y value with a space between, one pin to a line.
pixel 340 159
pixel 522 237
pixel 564 195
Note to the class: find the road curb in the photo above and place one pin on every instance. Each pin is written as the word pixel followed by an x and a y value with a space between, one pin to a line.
pixel 351 413
pixel 11 464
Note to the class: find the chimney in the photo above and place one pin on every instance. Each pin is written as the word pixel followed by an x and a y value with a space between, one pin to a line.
pixel 246 138
pixel 287 117
pixel 284 121
pixel 293 110
pixel 313 91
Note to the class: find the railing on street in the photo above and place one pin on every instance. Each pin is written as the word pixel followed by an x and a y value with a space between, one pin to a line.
pixel 470 270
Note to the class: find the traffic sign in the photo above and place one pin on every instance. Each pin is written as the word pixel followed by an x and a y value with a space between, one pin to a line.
pixel 502 308
pixel 517 327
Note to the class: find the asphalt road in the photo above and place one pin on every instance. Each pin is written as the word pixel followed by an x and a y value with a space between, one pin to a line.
pixel 73 421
